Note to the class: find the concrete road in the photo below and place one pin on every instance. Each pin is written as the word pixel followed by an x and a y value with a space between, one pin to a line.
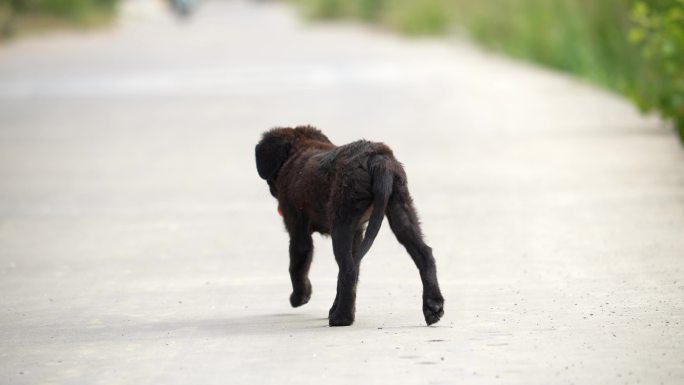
pixel 138 245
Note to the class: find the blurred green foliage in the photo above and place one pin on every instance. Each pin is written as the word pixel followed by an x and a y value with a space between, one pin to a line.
pixel 410 16
pixel 659 31
pixel 634 47
pixel 36 14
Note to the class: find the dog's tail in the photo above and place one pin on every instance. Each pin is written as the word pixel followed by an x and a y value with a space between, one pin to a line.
pixel 382 181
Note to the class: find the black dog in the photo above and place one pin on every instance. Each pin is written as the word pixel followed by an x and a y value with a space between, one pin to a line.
pixel 336 190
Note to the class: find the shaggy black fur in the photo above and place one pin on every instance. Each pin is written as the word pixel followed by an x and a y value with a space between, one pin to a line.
pixel 335 190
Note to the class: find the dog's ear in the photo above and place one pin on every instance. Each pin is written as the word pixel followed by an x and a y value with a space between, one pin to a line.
pixel 271 153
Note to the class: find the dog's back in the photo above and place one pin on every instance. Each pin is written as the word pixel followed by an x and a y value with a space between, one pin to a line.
pixel 316 180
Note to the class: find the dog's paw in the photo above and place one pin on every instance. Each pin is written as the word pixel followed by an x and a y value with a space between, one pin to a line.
pixel 299 299
pixel 301 295
pixel 339 320
pixel 433 309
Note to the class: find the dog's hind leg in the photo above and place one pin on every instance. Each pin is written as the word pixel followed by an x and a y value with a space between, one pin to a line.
pixel 343 239
pixel 301 254
pixel 403 220
pixel 358 236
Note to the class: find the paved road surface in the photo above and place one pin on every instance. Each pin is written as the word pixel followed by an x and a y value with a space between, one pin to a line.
pixel 138 246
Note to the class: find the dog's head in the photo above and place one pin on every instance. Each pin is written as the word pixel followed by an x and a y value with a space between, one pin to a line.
pixel 278 144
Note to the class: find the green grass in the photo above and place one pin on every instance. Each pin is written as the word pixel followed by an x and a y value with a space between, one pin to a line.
pixel 589 38
pixel 19 17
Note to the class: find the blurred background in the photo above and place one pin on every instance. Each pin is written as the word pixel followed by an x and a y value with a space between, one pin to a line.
pixel 138 244
pixel 633 47
pixel 629 46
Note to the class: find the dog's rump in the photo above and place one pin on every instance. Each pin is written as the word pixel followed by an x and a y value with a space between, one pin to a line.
pixel 373 169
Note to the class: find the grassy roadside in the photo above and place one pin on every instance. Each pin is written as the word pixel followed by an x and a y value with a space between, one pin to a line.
pixel 634 47
pixel 19 17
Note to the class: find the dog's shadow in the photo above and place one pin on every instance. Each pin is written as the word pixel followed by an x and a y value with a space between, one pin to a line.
pixel 253 324
pixel 283 324
pixel 280 323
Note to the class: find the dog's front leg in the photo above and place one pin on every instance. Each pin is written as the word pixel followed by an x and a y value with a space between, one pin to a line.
pixel 342 312
pixel 301 254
